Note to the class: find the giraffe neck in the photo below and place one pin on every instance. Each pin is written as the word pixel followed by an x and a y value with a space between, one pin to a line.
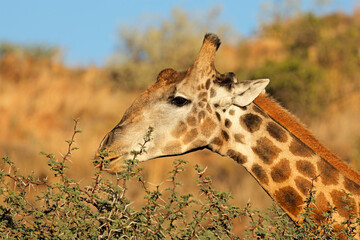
pixel 287 161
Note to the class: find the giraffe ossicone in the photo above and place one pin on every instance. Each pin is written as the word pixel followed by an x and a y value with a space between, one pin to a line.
pixel 201 108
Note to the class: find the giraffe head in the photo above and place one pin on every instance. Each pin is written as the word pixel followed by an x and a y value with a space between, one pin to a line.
pixel 180 106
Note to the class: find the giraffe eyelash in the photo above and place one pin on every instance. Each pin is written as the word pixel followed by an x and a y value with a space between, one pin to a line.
pixel 179 101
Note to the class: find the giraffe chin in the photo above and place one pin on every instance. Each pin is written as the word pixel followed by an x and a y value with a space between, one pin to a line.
pixel 115 165
pixel 115 162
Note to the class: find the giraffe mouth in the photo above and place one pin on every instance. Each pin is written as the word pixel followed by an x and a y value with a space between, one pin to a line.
pixel 111 160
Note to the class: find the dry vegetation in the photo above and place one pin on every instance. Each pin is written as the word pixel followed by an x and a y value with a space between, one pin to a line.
pixel 39 97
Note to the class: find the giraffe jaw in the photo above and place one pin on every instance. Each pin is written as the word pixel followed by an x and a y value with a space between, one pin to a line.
pixel 114 162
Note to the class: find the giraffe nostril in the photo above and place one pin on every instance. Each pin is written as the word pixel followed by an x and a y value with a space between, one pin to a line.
pixel 108 139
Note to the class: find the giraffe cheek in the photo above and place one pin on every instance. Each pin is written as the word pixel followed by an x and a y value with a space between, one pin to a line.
pixel 191 121
pixel 190 136
pixel 207 127
pixel 179 130
pixel 172 147
pixel 197 144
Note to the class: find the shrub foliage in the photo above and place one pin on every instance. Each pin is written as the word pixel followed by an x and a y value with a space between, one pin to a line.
pixel 32 51
pixel 66 210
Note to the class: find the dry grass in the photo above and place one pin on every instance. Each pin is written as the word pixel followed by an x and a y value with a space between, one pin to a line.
pixel 39 99
pixel 38 107
pixel 339 128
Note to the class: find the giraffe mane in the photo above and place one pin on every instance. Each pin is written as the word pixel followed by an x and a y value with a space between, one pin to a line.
pixel 293 125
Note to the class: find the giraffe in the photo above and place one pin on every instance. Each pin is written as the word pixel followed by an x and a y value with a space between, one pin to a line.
pixel 200 108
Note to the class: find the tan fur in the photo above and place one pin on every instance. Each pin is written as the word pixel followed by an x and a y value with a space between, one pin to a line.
pixel 288 121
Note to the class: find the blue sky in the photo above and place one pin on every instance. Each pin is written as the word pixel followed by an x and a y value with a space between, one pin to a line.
pixel 87 30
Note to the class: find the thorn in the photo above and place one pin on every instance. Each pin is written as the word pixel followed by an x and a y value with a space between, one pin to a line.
pixel 201 173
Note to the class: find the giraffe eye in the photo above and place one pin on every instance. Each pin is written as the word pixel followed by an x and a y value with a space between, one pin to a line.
pixel 179 101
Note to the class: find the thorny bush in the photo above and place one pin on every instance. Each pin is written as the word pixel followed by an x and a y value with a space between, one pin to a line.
pixel 66 210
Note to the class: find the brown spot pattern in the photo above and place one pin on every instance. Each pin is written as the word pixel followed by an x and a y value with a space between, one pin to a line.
pixel 328 174
pixel 168 75
pixel 306 168
pixel 201 104
pixel 179 130
pixel 207 127
pixel 260 173
pixel 212 93
pixel 203 95
pixel 191 120
pixel 351 186
pixel 303 185
pixel 207 85
pixel 218 116
pixel 276 132
pixel 298 148
pixel 281 171
pixel 322 205
pixel 289 199
pixel 239 138
pixel 225 135
pixel 172 147
pixel 198 143
pixel 194 110
pixel 190 135
pixel 266 150
pixel 217 141
pixel 208 108
pixel 232 112
pixel 228 123
pixel 238 157
pixel 338 228
pixel 250 122
pixel 345 205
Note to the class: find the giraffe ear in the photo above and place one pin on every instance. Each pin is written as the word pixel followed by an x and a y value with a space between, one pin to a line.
pixel 247 91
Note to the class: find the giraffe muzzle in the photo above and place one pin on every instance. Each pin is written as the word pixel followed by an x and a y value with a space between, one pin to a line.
pixel 105 148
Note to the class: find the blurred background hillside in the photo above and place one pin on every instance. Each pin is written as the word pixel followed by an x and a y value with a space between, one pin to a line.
pixel 312 59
